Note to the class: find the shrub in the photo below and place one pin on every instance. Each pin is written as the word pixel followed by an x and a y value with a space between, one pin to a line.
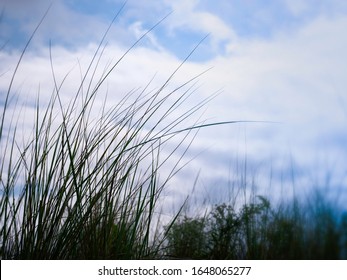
pixel 260 231
pixel 187 239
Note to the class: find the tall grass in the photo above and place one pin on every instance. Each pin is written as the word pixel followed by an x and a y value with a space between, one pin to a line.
pixel 80 187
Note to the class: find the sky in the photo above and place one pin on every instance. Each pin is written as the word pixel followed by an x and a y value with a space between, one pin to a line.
pixel 280 63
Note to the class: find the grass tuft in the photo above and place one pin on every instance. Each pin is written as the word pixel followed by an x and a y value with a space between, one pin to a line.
pixel 80 187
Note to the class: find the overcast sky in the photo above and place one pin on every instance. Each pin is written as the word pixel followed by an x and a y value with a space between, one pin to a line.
pixel 280 61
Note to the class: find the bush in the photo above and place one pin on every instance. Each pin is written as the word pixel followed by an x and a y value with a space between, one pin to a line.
pixel 187 239
pixel 260 231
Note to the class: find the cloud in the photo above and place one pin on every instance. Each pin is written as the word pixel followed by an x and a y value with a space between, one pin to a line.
pixel 187 16
pixel 24 8
pixel 297 7
pixel 309 8
pixel 63 25
pixel 296 78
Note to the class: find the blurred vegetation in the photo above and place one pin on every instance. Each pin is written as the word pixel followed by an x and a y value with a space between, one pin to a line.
pixel 259 230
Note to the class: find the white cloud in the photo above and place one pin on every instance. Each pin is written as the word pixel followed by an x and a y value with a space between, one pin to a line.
pixel 62 25
pixel 295 78
pixel 297 7
pixel 186 16
pixel 309 8
pixel 138 30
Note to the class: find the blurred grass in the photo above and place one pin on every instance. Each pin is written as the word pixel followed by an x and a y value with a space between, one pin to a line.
pixel 314 230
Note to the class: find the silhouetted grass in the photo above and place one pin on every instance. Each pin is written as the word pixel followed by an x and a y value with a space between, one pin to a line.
pixel 84 188
pixel 312 229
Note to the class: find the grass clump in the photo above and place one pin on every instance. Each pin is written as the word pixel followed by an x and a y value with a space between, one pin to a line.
pixel 86 187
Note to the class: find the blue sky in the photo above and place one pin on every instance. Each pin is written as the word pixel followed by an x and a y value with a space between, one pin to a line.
pixel 276 60
pixel 79 21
